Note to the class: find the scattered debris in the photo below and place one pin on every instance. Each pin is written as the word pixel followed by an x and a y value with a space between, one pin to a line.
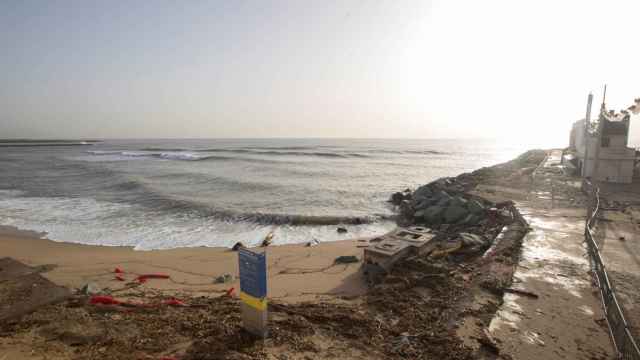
pixel 89 289
pixel 267 240
pixel 346 259
pixel 488 341
pixel 313 242
pixel 521 292
pixel 223 279
pixel 143 278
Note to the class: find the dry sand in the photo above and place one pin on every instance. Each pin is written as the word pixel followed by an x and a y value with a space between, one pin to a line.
pixel 296 272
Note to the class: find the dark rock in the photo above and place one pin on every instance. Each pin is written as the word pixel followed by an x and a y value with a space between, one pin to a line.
pixel 223 279
pixel 470 219
pixel 458 201
pixel 423 192
pixel 443 198
pixel 454 214
pixel 397 198
pixel 346 259
pixel 475 207
pixel 342 230
pixel 422 204
pixel 433 214
pixel 406 209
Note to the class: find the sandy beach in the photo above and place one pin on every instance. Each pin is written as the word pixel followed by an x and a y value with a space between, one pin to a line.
pixel 296 272
pixel 444 303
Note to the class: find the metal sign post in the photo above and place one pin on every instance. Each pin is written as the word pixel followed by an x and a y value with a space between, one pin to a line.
pixel 253 291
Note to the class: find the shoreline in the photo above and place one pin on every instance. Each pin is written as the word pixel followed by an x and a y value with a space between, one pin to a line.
pixel 193 269
pixel 302 272
pixel 467 304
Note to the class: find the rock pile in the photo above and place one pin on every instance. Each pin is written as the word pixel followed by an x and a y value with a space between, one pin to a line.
pixel 440 202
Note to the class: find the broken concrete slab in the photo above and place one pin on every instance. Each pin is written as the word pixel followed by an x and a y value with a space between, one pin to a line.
pixel 397 245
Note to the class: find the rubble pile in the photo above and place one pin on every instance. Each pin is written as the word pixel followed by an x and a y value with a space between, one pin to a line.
pixel 517 170
pixel 442 205
pixel 446 204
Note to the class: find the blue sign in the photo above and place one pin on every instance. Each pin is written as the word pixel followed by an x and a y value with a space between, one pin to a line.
pixel 253 273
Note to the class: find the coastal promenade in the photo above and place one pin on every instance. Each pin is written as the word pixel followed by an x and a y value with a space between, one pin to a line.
pixel 565 321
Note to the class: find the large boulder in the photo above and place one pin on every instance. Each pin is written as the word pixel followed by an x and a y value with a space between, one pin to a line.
pixel 470 219
pixel 397 198
pixel 424 203
pixel 458 201
pixel 443 198
pixel 475 206
pixel 406 209
pixel 455 213
pixel 433 214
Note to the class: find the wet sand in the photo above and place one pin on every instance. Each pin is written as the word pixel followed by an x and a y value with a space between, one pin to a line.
pixel 296 272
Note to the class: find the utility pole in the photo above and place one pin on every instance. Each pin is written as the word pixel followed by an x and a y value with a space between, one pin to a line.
pixel 587 123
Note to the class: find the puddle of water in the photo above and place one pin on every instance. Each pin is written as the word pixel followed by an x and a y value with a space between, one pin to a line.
pixel 532 338
pixel 508 314
pixel 586 310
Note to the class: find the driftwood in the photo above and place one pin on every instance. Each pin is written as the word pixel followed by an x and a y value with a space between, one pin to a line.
pixel 521 292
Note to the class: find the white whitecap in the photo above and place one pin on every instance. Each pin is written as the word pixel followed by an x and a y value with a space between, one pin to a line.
pixel 88 221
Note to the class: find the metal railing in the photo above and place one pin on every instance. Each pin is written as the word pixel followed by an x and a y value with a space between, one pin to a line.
pixel 621 336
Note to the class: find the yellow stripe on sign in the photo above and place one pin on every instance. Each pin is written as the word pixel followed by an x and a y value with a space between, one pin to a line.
pixel 254 302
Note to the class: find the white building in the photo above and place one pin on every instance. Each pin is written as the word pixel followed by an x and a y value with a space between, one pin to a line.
pixel 615 161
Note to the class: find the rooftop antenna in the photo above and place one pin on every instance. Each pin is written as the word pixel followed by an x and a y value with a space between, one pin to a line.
pixel 604 97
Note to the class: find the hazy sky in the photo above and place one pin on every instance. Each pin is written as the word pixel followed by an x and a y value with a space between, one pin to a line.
pixel 419 69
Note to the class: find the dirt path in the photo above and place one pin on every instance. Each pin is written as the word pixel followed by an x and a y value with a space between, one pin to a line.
pixel 564 321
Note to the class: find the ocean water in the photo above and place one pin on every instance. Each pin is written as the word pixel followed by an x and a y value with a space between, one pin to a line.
pixel 157 194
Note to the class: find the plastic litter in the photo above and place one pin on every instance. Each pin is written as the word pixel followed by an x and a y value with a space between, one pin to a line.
pixel 104 300
pixel 143 278
pixel 223 279
pixel 175 302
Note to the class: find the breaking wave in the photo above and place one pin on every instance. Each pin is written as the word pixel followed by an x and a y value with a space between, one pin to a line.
pixel 195 155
